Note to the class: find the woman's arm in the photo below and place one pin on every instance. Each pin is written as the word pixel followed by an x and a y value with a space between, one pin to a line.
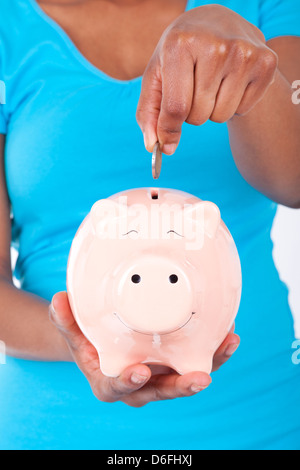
pixel 266 142
pixel 213 64
pixel 25 327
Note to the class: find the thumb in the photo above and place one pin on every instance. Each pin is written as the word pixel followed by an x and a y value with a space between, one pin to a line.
pixel 149 105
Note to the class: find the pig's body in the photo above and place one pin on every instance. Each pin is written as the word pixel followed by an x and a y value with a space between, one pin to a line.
pixel 154 278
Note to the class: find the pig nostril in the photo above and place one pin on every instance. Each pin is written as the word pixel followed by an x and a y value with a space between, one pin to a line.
pixel 173 279
pixel 136 278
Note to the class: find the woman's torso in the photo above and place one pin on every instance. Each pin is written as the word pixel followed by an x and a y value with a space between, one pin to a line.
pixel 72 139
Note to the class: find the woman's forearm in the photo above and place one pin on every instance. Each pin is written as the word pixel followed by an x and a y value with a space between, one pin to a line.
pixel 266 144
pixel 25 327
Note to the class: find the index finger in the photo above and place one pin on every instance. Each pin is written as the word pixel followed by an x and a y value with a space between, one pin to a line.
pixel 177 97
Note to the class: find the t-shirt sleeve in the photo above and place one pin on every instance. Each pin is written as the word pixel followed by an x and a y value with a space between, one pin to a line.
pixel 2 120
pixel 280 18
pixel 2 124
pixel 2 104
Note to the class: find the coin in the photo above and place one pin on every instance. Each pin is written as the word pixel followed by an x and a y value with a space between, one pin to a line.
pixel 156 161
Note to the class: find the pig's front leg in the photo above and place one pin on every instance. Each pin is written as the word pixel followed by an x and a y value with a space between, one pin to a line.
pixel 113 362
pixel 192 360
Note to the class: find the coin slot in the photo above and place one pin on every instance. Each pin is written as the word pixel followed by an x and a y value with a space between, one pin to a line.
pixel 154 193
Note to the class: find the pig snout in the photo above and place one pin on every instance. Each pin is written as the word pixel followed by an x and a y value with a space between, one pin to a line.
pixel 154 296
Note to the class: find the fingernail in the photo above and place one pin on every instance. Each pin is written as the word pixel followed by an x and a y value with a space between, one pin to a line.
pixel 150 140
pixel 52 315
pixel 145 141
pixel 169 149
pixel 138 379
pixel 52 310
pixel 53 303
pixel 197 388
pixel 231 349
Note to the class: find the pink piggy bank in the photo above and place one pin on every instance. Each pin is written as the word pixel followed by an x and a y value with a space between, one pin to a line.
pixel 154 277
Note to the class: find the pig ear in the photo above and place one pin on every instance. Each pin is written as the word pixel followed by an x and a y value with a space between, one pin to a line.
pixel 106 212
pixel 208 214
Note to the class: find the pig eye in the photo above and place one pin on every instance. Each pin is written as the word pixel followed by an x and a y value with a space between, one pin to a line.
pixel 136 278
pixel 173 279
pixel 176 233
pixel 128 233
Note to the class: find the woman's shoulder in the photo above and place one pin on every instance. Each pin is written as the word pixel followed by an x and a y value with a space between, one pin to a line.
pixel 19 32
pixel 19 36
pixel 14 16
pixel 18 20
pixel 12 10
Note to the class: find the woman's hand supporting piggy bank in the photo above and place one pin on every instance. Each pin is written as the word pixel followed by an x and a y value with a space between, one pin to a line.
pixel 154 279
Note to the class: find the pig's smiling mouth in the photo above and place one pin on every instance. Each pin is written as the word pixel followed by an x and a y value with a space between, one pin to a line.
pixel 150 334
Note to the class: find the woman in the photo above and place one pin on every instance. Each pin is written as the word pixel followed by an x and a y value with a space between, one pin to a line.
pixel 218 81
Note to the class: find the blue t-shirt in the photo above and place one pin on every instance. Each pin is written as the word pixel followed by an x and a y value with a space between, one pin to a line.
pixel 71 139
